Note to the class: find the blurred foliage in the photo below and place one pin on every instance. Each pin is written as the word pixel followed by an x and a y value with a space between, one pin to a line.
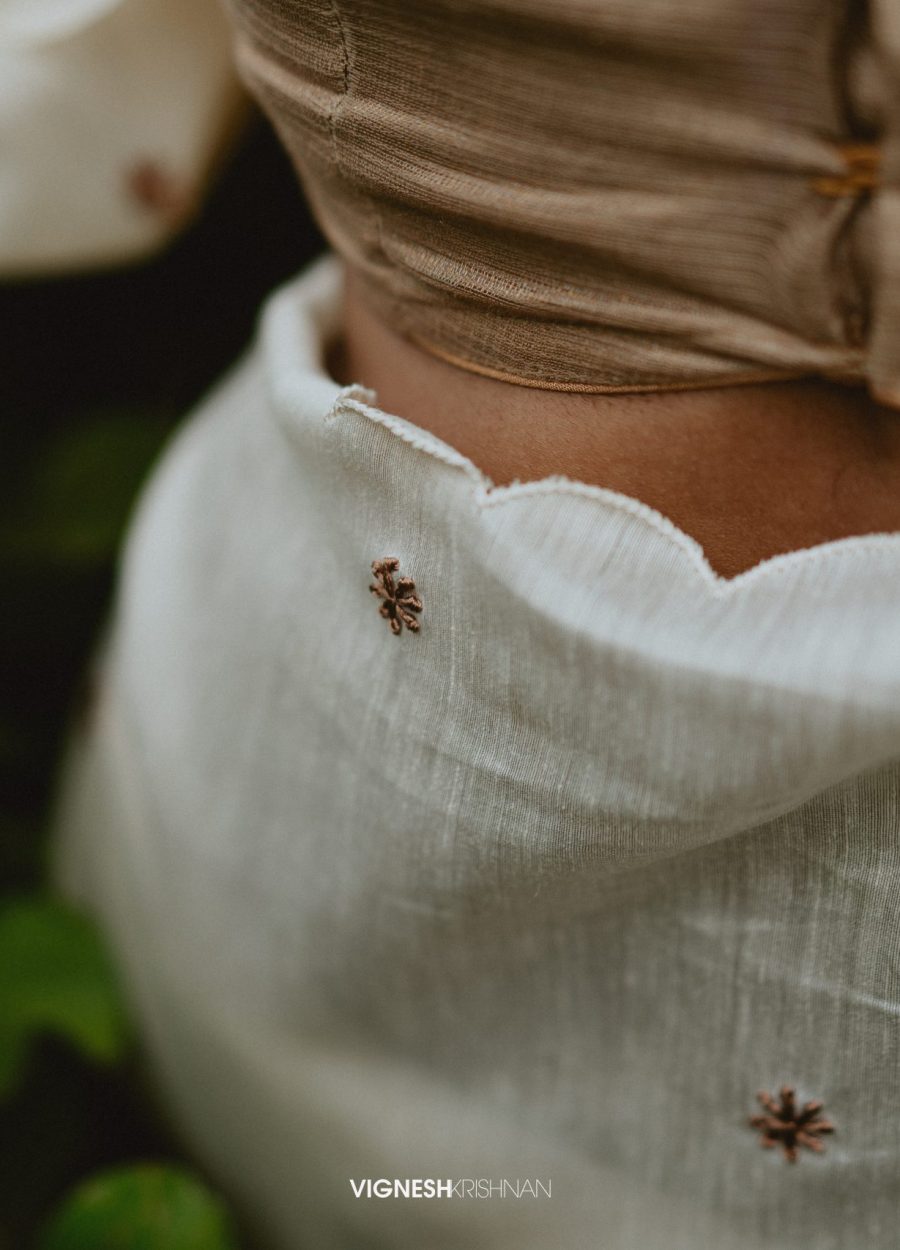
pixel 95 372
pixel 55 977
pixel 73 504
pixel 141 1208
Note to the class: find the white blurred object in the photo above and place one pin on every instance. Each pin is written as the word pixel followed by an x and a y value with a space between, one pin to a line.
pixel 30 21
pixel 112 115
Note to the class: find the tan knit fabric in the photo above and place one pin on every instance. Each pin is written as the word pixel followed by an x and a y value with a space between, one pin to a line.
pixel 604 194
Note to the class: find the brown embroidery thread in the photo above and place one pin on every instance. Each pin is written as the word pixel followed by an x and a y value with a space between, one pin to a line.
pixel 151 186
pixel 399 600
pixel 786 1126
pixel 862 161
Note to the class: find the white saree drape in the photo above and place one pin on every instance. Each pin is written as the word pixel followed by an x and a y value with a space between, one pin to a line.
pixel 548 889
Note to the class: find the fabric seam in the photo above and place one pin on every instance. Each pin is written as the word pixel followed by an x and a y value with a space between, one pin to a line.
pixel 333 113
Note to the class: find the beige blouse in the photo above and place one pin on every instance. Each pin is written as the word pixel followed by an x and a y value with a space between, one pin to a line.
pixel 604 195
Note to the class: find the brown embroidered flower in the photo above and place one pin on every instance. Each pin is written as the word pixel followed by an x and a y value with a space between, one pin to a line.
pixel 156 190
pixel 399 600
pixel 786 1126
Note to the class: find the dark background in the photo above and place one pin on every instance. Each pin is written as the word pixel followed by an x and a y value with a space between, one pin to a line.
pixel 95 372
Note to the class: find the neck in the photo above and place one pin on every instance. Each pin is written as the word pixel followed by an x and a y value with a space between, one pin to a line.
pixel 749 472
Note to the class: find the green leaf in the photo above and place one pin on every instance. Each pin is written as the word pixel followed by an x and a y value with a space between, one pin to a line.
pixel 79 496
pixel 54 977
pixel 147 1207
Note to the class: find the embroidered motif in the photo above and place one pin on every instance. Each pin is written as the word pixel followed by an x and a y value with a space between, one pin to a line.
pixel 862 161
pixel 399 600
pixel 156 190
pixel 786 1126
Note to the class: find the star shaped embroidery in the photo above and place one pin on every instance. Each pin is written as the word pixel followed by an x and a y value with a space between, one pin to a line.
pixel 787 1126
pixel 398 597
pixel 156 190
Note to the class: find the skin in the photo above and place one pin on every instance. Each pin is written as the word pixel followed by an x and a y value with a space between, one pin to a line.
pixel 750 472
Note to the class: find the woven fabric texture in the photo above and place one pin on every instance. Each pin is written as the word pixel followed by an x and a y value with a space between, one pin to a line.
pixel 549 888
pixel 586 195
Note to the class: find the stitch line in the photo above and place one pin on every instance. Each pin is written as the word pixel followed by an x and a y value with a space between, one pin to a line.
pixel 336 107
pixel 738 378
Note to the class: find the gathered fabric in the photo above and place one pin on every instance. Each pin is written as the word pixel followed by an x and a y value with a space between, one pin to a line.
pixel 604 197
pixel 535 862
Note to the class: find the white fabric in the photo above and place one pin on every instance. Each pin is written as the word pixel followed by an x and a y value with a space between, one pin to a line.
pixel 90 92
pixel 549 889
